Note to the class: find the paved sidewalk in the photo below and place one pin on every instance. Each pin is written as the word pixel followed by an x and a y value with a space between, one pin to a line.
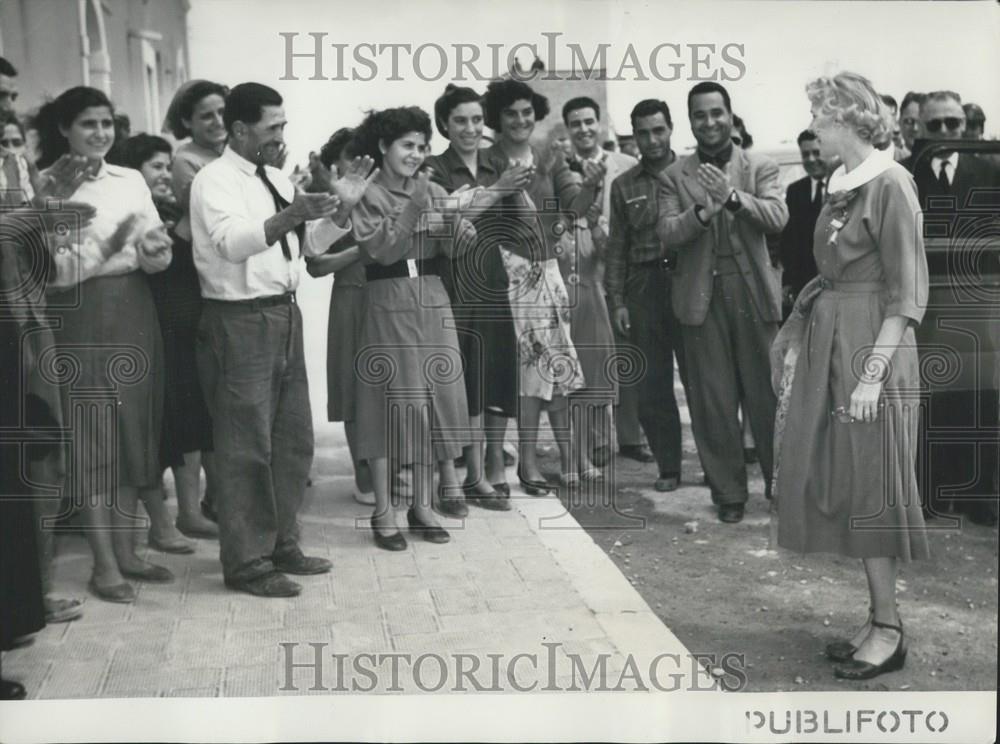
pixel 506 584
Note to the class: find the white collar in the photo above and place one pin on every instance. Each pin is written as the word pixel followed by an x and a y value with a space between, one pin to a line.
pixel 871 167
pixel 953 159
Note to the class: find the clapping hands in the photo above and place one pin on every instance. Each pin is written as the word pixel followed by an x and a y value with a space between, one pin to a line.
pixel 351 185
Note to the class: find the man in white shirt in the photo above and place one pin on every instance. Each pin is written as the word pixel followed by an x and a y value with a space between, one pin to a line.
pixel 248 229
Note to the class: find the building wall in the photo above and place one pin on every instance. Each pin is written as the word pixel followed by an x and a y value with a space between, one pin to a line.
pixel 42 39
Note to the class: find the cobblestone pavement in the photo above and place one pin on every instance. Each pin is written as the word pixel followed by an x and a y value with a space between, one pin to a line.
pixel 528 581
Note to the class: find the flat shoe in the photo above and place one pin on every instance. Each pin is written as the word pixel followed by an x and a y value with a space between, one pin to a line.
pixel 268 585
pixel 178 545
pixel 12 690
pixel 121 593
pixel 503 488
pixel 854 669
pixel 394 542
pixel 151 574
pixel 210 532
pixel 533 487
pixel 62 610
pixel 496 501
pixel 431 532
pixel 591 475
pixel 453 507
pixel 842 650
pixel 667 483
pixel 366 498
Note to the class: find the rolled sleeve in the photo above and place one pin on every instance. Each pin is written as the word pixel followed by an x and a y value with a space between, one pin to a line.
pixel 321 234
pixel 901 249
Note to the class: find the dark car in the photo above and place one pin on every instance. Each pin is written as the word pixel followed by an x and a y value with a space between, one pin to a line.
pixel 959 339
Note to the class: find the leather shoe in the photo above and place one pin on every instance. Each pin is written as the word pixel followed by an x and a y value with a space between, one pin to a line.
pixel 431 532
pixel 177 545
pixel 268 585
pixel 450 505
pixel 295 562
pixel 667 482
pixel 496 501
pixel 731 513
pixel 533 487
pixel 394 542
pixel 121 593
pixel 10 690
pixel 857 670
pixel 636 452
pixel 151 574
pixel 842 650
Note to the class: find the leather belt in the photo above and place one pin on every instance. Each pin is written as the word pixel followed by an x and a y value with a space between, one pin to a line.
pixel 407 269
pixel 256 303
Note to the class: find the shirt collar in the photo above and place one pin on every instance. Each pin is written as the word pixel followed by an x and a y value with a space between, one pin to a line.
pixel 951 159
pixel 646 168
pixel 239 161
pixel 874 165
pixel 107 169
pixel 455 162
pixel 720 158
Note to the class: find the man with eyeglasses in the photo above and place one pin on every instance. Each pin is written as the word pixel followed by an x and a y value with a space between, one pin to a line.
pixel 948 173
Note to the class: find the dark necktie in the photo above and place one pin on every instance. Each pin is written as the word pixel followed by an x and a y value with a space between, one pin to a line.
pixel 280 203
pixel 943 176
pixel 818 199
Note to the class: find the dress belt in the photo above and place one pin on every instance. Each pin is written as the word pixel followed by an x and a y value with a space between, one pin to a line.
pixel 409 268
pixel 847 286
pixel 256 303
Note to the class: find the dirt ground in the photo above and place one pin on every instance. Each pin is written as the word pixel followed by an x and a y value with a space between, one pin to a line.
pixel 721 589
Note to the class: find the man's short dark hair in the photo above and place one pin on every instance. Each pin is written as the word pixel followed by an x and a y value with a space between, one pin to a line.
pixel 500 94
pixel 6 68
pixel 651 107
pixel 580 102
pixel 710 86
pixel 246 103
pixel 889 101
pixel 140 148
pixel 974 114
pixel 805 135
pixel 912 97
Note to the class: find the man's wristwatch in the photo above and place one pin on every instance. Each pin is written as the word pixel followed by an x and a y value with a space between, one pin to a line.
pixel 733 203
pixel 699 210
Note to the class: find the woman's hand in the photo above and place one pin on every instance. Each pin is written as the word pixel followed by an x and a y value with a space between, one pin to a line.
pixel 155 242
pixel 421 182
pixel 61 179
pixel 864 401
pixel 514 178
pixel 121 237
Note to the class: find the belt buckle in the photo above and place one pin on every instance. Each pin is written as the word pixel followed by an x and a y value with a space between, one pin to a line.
pixel 411 268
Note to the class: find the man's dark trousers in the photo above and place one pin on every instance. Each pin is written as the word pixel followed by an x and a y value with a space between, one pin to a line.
pixel 655 330
pixel 253 372
pixel 728 361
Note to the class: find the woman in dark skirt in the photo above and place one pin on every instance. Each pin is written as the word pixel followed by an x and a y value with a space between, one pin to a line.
pixel 411 403
pixel 846 478
pixel 477 286
pixel 343 335
pixel 109 341
pixel 195 114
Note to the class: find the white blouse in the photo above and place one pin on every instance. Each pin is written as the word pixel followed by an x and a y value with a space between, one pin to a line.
pixel 115 193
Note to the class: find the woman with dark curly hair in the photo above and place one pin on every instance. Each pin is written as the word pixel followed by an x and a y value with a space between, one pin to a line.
pixel 110 337
pixel 477 286
pixel 549 369
pixel 846 480
pixel 195 113
pixel 411 404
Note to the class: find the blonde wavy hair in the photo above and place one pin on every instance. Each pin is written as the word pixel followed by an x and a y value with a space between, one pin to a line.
pixel 850 99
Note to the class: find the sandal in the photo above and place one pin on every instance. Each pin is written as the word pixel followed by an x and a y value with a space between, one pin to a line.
pixel 62 610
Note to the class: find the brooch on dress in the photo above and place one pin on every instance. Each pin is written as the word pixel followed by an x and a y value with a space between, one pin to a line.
pixel 839 202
